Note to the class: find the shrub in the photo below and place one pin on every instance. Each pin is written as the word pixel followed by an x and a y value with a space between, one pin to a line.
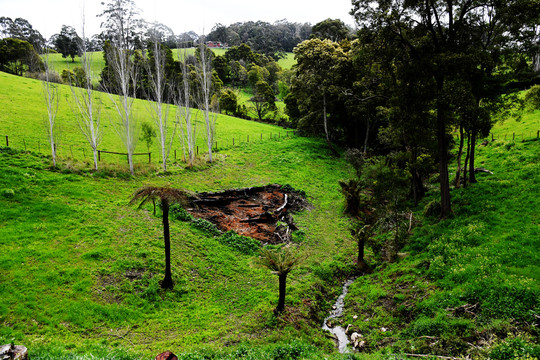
pixel 432 209
pixel 244 244
pixel 207 226
pixel 515 348
pixel 532 98
pixel 177 212
pixel 8 193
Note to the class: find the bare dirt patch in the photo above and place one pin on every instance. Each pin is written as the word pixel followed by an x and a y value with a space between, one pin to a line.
pixel 263 213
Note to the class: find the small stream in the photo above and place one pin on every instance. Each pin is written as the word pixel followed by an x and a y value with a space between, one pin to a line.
pixel 338 331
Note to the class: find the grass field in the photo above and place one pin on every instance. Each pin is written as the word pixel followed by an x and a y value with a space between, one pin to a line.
pixel 85 265
pixel 79 267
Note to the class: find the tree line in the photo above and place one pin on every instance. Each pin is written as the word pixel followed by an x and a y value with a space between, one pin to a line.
pixel 414 72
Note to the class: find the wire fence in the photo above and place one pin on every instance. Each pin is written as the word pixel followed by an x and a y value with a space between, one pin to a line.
pixel 81 151
pixel 519 136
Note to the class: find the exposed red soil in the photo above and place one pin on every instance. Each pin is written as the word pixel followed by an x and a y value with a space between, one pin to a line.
pixel 253 212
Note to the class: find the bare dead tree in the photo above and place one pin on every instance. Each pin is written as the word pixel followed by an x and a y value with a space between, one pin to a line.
pixel 87 105
pixel 123 82
pixel 157 81
pixel 50 94
pixel 204 74
pixel 184 114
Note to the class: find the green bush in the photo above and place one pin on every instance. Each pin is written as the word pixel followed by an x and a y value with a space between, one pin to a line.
pixel 532 98
pixel 432 209
pixel 177 212
pixel 8 193
pixel 515 348
pixel 244 244
pixel 207 226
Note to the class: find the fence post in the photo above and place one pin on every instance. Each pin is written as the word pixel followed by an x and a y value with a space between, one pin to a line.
pixel 537 134
pixel 175 155
pixel 197 149
pixel 149 158
pixel 99 155
pixel 513 136
pixel 7 141
pixel 491 136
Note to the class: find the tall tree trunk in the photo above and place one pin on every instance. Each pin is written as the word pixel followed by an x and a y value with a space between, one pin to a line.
pixel 366 137
pixel 167 281
pixel 282 292
pixel 460 153
pixel 472 176
pixel 325 123
pixel 465 166
pixel 444 183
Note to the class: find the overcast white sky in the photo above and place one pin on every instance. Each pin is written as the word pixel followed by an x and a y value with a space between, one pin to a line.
pixel 48 16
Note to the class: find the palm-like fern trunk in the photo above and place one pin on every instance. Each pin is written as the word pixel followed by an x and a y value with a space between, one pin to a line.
pixel 167 282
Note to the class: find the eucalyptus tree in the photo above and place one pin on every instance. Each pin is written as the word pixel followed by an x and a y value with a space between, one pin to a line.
pixel 50 92
pixel 120 75
pixel 159 76
pixel 449 38
pixel 87 103
pixel 319 70
pixel 185 116
pixel 205 92
pixel 166 197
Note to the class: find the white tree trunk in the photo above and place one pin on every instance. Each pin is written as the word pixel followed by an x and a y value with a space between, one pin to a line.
pixel 84 98
pixel 50 93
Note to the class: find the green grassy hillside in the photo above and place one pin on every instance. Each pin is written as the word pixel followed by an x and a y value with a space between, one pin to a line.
pixel 79 267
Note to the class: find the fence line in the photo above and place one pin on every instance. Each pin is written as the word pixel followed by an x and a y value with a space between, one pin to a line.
pixel 514 136
pixel 75 150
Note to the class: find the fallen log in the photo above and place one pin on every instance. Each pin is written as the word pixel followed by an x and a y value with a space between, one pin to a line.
pixel 483 170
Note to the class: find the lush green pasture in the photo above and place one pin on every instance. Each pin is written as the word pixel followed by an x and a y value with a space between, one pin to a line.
pixel 80 268
pixel 58 63
pixel 16 93
pixel 288 61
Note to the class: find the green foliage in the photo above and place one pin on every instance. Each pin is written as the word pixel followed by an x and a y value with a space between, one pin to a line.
pixel 432 209
pixel 8 193
pixel 68 43
pixel 77 77
pixel 18 56
pixel 206 226
pixel 148 133
pixel 515 348
pixel 243 244
pixel 532 98
pixel 228 101
pixel 178 212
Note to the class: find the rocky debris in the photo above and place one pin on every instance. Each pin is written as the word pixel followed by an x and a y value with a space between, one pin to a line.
pixel 167 355
pixel 357 341
pixel 13 352
pixel 263 213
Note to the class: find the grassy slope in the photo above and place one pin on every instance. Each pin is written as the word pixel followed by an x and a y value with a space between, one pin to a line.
pixel 485 256
pixel 79 267
pixel 16 92
pixel 73 251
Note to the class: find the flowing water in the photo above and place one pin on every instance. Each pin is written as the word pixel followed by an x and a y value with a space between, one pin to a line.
pixel 338 331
